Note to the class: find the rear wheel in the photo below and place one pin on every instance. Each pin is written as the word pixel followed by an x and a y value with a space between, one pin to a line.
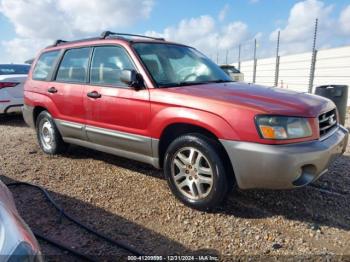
pixel 49 138
pixel 196 172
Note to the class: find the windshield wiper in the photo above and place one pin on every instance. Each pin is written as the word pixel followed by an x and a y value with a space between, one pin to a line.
pixel 181 84
pixel 220 81
pixel 188 83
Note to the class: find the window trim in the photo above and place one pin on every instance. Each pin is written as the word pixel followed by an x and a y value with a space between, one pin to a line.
pixel 53 67
pixel 92 47
pixel 64 51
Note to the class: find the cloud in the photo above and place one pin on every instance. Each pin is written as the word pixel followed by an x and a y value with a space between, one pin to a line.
pixel 344 21
pixel 95 15
pixel 38 22
pixel 18 50
pixel 206 35
pixel 223 13
pixel 44 20
pixel 297 35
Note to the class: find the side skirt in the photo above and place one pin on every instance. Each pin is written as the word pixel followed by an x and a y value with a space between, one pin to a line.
pixel 154 161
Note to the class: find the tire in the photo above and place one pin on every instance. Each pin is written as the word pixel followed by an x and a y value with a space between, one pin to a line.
pixel 206 172
pixel 48 136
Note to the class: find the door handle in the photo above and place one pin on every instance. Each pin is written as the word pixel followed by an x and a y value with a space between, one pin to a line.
pixel 52 90
pixel 94 94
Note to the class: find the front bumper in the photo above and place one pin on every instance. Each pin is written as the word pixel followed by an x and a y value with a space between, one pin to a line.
pixel 284 166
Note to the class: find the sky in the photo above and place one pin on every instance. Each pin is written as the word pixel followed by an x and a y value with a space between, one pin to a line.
pixel 215 27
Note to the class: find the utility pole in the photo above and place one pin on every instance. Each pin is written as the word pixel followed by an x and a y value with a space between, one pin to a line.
pixel 226 56
pixel 239 57
pixel 255 62
pixel 277 69
pixel 217 50
pixel 313 59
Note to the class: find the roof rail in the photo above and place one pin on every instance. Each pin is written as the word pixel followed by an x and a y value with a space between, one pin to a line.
pixel 106 34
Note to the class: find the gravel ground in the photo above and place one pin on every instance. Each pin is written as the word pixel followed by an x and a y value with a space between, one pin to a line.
pixel 130 201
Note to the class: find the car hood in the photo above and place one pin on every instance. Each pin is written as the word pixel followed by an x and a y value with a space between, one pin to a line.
pixel 13 229
pixel 267 100
pixel 6 197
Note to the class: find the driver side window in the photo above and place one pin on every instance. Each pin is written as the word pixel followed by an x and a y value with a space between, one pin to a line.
pixel 107 65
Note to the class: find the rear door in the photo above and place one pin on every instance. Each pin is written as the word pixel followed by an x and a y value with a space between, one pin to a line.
pixel 118 116
pixel 67 90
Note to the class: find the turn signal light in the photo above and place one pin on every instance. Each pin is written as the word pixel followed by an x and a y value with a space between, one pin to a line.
pixel 273 132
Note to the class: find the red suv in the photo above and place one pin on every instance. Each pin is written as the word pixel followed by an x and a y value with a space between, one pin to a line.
pixel 168 105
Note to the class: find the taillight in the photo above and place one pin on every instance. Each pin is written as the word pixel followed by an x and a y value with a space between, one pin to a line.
pixel 8 84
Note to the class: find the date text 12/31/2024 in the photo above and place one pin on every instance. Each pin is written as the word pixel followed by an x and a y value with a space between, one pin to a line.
pixel 174 258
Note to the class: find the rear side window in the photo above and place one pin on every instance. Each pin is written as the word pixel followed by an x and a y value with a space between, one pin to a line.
pixel 73 67
pixel 107 64
pixel 44 65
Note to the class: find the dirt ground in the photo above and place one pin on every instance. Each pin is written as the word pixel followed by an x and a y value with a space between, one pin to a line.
pixel 130 201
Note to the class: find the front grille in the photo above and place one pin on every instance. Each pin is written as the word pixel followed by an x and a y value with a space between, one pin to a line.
pixel 327 122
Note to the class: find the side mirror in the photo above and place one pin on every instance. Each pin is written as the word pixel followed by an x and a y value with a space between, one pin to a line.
pixel 132 79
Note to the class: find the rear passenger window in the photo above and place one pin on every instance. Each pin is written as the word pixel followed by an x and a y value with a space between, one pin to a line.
pixel 107 65
pixel 73 67
pixel 44 65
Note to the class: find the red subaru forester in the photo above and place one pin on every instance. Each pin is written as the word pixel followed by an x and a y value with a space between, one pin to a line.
pixel 168 105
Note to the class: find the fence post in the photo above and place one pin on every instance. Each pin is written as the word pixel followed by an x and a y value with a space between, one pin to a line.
pixel 239 57
pixel 277 69
pixel 255 62
pixel 313 59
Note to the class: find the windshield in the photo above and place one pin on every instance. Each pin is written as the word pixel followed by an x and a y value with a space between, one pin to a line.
pixel 176 65
pixel 14 69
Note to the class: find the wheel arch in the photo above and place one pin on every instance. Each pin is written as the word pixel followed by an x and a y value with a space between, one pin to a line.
pixel 37 110
pixel 174 130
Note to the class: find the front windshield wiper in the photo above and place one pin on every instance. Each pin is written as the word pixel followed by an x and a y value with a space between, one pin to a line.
pixel 220 81
pixel 188 83
pixel 181 84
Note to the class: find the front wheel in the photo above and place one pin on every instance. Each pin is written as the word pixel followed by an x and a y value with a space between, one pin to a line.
pixel 49 138
pixel 196 172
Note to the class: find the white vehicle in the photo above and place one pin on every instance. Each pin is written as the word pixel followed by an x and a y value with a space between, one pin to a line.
pixel 12 77
pixel 17 242
pixel 233 72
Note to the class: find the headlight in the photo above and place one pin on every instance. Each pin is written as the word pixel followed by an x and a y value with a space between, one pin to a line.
pixel 283 127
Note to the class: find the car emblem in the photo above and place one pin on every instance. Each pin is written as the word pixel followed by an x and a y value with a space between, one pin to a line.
pixel 331 120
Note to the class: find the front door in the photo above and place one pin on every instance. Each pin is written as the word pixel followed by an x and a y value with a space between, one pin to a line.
pixel 117 115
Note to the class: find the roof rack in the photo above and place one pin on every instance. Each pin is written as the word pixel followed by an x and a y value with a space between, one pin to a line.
pixel 106 34
pixel 59 41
